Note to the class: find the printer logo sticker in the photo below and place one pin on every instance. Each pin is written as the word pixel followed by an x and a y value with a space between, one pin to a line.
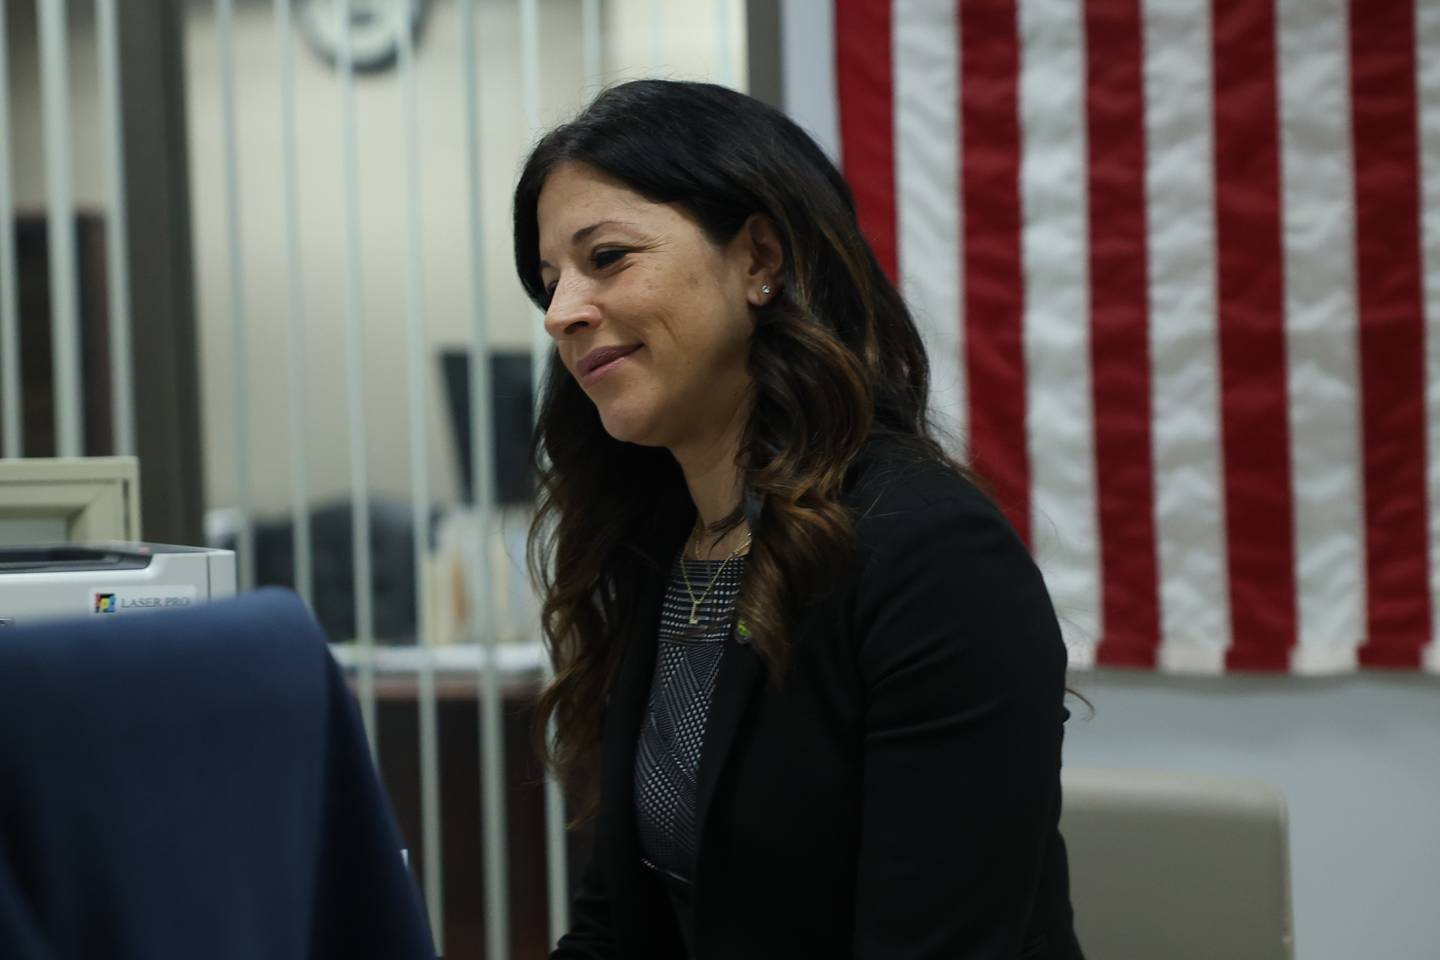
pixel 126 600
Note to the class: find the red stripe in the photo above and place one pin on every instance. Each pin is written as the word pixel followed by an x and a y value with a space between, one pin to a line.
pixel 867 127
pixel 994 284
pixel 1392 335
pixel 1119 332
pixel 1256 436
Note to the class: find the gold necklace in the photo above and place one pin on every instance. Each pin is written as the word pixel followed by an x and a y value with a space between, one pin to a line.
pixel 694 603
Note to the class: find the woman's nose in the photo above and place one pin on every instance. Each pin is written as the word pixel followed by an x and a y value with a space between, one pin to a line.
pixel 571 310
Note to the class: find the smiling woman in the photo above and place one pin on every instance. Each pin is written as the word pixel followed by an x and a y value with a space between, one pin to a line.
pixel 806 675
pixel 648 314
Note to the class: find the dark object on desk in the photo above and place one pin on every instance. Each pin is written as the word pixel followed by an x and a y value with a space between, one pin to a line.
pixel 511 422
pixel 392 566
pixel 193 784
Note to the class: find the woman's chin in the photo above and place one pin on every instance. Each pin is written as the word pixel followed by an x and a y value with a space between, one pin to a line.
pixel 628 426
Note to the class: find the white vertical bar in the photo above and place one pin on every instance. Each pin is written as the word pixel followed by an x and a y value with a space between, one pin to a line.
pixel 1323 376
pixel 1059 409
pixel 355 382
pixel 483 626
pixel 657 36
pixel 295 355
pixel 530 63
pixel 556 855
pixel 556 852
pixel 807 35
pixel 530 73
pixel 418 384
pixel 64 280
pixel 724 45
pixel 224 16
pixel 1185 377
pixel 10 418
pixel 117 268
pixel 1427 40
pixel 540 349
pixel 926 78
pixel 591 45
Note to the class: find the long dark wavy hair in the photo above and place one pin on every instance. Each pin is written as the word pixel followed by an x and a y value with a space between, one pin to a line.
pixel 834 357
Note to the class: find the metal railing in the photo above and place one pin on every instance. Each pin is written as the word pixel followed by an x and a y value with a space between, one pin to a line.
pixel 477 648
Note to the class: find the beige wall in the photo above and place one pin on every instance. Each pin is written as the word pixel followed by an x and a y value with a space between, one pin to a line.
pixel 685 35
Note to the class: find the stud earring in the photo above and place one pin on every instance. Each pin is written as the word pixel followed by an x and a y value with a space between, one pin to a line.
pixel 765 289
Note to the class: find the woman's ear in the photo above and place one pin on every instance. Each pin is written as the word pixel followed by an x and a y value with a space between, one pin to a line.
pixel 764 256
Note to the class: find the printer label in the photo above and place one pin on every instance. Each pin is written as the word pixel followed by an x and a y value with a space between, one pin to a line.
pixel 123 600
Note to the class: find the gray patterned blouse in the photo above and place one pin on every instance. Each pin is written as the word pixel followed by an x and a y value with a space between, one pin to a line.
pixel 667 758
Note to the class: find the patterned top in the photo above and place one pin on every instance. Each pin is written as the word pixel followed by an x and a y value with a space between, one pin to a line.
pixel 667 758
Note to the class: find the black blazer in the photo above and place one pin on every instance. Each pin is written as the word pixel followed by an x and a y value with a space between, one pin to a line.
pixel 897 795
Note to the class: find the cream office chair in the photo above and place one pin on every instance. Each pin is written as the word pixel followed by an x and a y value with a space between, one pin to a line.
pixel 1177 866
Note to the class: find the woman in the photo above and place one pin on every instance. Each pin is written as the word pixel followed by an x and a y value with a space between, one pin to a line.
pixel 807 679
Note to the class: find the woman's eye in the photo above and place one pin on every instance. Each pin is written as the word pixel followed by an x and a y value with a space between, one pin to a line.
pixel 599 260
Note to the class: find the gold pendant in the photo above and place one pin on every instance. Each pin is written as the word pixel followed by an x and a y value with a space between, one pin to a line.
pixel 694 608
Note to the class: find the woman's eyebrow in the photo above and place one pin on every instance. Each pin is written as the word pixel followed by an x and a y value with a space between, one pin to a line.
pixel 579 235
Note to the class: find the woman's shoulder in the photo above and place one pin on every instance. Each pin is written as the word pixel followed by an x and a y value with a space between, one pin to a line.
pixel 896 482
pixel 935 551
pixel 910 505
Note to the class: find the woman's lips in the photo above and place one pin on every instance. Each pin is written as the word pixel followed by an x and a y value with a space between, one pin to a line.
pixel 597 372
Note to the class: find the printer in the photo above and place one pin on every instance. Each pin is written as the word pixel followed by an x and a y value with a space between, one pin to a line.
pixel 108 579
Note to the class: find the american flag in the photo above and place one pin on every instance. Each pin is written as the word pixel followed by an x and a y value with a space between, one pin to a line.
pixel 1177 263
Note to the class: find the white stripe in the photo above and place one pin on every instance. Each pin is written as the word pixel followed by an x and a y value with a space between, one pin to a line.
pixel 724 47
pixel 807 35
pixel 1427 40
pixel 484 624
pixel 10 418
pixel 925 58
pixel 556 857
pixel 657 37
pixel 542 355
pixel 1185 385
pixel 294 326
pixel 592 45
pixel 117 248
pixel 1059 403
pixel 530 64
pixel 235 261
pixel 1320 332
pixel 417 385
pixel 64 278
pixel 355 382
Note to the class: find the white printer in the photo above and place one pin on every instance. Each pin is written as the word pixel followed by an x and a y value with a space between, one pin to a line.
pixel 108 579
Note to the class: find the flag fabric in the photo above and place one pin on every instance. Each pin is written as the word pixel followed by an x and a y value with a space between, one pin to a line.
pixel 1177 264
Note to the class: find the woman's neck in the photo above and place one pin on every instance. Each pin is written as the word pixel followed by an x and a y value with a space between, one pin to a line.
pixel 714 479
pixel 715 489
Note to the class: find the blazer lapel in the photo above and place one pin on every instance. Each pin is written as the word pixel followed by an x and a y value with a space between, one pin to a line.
pixel 741 671
pixel 624 712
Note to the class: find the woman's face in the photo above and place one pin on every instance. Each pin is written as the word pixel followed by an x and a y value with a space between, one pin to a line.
pixel 632 277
